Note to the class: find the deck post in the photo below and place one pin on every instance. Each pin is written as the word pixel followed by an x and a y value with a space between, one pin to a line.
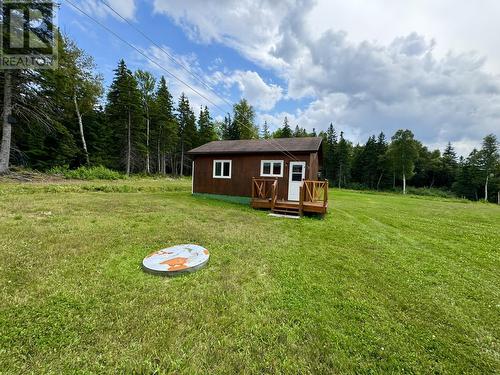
pixel 301 199
pixel 325 196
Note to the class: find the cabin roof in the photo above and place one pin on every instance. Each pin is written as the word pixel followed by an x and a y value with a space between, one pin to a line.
pixel 253 146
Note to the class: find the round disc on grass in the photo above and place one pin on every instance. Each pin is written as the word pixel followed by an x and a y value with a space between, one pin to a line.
pixel 176 260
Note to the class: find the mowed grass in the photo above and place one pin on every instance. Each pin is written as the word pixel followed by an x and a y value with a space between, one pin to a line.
pixel 384 284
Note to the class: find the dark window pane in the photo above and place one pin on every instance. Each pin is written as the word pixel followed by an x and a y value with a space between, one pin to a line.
pixel 276 168
pixel 218 167
pixel 226 169
pixel 297 168
pixel 267 168
pixel 296 176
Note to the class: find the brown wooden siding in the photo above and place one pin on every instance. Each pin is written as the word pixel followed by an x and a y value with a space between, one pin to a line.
pixel 244 167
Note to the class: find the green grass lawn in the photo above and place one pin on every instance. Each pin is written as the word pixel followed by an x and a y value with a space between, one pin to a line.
pixel 384 284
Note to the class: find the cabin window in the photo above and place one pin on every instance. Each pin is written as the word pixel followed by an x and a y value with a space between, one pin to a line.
pixel 222 169
pixel 271 168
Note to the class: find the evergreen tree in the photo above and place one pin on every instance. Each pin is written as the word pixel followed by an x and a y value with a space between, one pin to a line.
pixel 266 134
pixel 382 161
pixel 206 127
pixel 449 166
pixel 330 150
pixel 146 83
pixel 299 132
pixel 187 128
pixel 230 130
pixel 243 121
pixel 285 131
pixel 343 156
pixel 164 128
pixel 124 116
pixel 469 179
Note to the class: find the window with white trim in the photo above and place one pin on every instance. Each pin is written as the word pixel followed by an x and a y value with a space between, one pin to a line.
pixel 222 169
pixel 271 168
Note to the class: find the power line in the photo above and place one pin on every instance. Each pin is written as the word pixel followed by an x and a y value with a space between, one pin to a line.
pixel 183 66
pixel 275 145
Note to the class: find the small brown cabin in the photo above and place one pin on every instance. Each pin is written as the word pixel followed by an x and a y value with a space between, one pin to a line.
pixel 279 174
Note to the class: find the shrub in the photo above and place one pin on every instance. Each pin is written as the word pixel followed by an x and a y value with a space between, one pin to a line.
pixel 430 192
pixel 87 173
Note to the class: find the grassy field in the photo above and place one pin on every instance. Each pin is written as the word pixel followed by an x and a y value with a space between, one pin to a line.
pixel 385 284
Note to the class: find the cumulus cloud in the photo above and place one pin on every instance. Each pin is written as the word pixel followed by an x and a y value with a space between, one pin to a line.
pixel 364 86
pixel 252 87
pixel 185 71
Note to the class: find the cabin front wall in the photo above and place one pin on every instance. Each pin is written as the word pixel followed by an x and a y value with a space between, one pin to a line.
pixel 244 168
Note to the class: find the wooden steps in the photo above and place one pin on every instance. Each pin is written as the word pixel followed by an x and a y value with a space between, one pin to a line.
pixel 313 197
pixel 288 208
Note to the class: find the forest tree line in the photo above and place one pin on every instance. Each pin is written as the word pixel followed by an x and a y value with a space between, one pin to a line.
pixel 61 117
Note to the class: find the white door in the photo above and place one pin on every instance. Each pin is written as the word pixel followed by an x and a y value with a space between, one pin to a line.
pixel 297 174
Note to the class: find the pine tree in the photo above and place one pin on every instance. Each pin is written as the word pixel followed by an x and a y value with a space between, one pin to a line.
pixel 206 127
pixel 243 121
pixel 449 166
pixel 285 131
pixel 230 130
pixel 343 156
pixel 330 150
pixel 124 115
pixel 469 178
pixel 164 128
pixel 146 83
pixel 382 161
pixel 187 128
pixel 299 132
pixel 266 134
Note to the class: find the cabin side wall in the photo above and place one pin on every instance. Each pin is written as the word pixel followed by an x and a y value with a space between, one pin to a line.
pixel 244 168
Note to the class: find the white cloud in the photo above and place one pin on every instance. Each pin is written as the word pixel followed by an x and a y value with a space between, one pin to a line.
pixel 191 75
pixel 252 87
pixel 366 66
pixel 126 8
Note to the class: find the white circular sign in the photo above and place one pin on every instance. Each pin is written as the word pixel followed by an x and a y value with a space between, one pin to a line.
pixel 176 259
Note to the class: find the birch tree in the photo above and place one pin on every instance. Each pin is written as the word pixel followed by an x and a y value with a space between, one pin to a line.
pixel 83 86
pixel 489 160
pixel 403 152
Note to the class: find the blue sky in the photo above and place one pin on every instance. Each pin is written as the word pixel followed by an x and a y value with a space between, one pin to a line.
pixel 432 67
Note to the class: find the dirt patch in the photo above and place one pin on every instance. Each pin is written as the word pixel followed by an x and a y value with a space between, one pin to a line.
pixel 24 176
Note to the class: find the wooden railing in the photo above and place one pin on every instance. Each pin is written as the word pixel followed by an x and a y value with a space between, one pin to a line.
pixel 314 191
pixel 265 188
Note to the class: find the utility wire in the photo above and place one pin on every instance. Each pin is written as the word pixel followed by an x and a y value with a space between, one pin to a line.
pixel 274 144
pixel 184 67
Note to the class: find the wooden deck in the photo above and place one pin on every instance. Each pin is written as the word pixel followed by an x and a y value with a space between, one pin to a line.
pixel 313 197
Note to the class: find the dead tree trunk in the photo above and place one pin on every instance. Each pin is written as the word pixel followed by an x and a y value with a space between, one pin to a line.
pixel 182 159
pixel 80 125
pixel 147 140
pixel 158 156
pixel 486 188
pixel 379 179
pixel 340 175
pixel 6 125
pixel 129 142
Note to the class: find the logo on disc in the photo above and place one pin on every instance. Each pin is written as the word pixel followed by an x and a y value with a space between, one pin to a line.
pixel 176 259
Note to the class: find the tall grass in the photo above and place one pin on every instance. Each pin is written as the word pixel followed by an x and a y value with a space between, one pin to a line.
pixel 87 173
